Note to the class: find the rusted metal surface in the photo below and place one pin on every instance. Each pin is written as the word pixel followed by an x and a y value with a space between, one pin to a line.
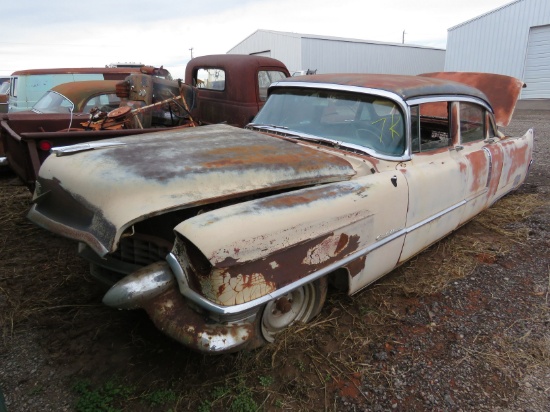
pixel 406 87
pixel 502 91
pixel 4 103
pixel 517 154
pixel 171 314
pixel 169 170
pixel 22 132
pixel 80 92
pixel 155 102
pixel 110 73
pixel 240 99
pixel 292 235
pixel 266 215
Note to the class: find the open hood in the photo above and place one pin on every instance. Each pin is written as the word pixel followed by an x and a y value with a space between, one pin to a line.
pixel 502 91
pixel 94 195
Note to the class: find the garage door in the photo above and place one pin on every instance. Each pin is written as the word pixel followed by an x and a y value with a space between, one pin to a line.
pixel 537 64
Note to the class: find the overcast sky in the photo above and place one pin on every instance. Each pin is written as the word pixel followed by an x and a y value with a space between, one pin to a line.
pixel 68 33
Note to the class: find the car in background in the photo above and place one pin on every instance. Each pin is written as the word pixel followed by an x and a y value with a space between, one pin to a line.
pixel 27 86
pixel 79 97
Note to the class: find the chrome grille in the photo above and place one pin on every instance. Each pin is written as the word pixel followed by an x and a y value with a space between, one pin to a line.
pixel 142 249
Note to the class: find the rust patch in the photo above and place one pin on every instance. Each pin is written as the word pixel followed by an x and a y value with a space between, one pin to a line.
pixel 479 170
pixel 497 159
pixel 291 266
pixel 170 314
pixel 344 239
pixel 516 156
pixel 357 266
pixel 182 154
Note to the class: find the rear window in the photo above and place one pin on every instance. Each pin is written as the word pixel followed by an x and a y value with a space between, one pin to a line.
pixel 210 78
pixel 265 78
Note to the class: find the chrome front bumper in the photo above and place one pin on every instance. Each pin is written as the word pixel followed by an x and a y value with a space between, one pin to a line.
pixel 154 288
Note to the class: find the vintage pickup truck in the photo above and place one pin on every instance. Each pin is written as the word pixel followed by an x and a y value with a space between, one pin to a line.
pixel 218 89
pixel 225 236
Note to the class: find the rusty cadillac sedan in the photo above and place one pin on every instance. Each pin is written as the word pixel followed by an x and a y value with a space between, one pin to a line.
pixel 226 236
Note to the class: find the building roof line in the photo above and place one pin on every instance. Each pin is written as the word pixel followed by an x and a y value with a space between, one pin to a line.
pixel 481 16
pixel 342 39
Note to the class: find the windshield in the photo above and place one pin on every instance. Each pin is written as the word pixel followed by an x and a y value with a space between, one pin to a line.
pixel 351 119
pixel 4 88
pixel 53 102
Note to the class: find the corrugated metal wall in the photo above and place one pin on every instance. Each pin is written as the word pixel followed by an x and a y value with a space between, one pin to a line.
pixel 537 64
pixel 496 42
pixel 333 56
pixel 285 47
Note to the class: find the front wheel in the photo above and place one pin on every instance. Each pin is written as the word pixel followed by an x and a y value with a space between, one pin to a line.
pixel 301 304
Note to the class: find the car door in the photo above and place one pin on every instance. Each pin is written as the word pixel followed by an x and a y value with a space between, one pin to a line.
pixel 436 176
pixel 481 156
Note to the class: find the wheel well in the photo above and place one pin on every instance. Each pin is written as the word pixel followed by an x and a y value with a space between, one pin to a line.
pixel 339 279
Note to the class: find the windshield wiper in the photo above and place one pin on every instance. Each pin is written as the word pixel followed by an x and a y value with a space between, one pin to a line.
pixel 267 126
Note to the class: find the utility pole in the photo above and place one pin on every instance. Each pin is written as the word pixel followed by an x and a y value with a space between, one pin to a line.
pixel 403 38
pixel 191 50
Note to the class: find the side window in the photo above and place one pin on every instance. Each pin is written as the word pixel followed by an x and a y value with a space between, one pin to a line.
pixel 210 78
pixel 105 102
pixel 430 126
pixel 265 78
pixel 472 122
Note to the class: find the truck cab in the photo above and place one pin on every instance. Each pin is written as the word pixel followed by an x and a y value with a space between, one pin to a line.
pixel 232 87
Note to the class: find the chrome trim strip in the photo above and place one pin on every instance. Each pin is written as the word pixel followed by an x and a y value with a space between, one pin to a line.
pixel 434 217
pixel 81 147
pixel 445 98
pixel 490 174
pixel 216 309
pixel 230 310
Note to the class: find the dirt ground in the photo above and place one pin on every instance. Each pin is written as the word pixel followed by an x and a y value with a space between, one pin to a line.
pixel 464 326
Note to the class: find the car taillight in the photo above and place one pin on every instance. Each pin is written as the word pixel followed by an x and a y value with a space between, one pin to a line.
pixel 45 145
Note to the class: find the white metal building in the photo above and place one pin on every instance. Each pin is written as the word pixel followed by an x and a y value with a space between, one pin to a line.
pixel 513 39
pixel 340 55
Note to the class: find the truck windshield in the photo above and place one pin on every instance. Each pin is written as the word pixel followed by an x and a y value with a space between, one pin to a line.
pixel 352 119
pixel 53 102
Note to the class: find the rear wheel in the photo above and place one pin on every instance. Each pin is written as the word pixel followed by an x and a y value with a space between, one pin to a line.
pixel 300 305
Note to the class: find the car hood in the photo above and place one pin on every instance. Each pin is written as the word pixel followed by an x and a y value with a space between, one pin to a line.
pixel 502 91
pixel 94 195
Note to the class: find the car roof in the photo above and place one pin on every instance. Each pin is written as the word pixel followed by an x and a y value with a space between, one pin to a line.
pixel 78 70
pixel 407 87
pixel 87 87
pixel 79 92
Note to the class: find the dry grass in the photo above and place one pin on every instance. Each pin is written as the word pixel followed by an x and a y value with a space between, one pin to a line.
pixel 330 355
pixel 457 256
pixel 320 356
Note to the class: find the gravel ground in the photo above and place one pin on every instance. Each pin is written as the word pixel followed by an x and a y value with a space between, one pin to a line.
pixel 480 342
